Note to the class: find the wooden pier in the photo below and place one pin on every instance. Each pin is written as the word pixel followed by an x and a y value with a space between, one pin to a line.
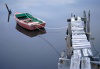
pixel 79 52
pixel 80 45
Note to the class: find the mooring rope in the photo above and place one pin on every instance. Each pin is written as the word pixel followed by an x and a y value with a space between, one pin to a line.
pixel 56 28
pixel 48 42
pixel 98 53
pixel 51 45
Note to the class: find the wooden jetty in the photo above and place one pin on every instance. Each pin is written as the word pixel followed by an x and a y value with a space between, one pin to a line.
pixel 81 46
pixel 79 52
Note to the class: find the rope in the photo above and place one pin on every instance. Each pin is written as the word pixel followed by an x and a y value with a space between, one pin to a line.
pixel 48 42
pixel 50 45
pixel 98 53
pixel 56 28
pixel 39 29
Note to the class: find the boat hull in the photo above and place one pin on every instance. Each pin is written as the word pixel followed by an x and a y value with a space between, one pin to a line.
pixel 29 27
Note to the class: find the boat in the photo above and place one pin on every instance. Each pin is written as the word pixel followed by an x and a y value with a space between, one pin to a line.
pixel 29 22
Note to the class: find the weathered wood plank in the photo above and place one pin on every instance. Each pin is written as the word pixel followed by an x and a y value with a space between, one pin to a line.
pixel 75 60
pixel 85 64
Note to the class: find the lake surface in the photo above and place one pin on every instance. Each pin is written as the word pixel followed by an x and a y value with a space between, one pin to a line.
pixel 23 49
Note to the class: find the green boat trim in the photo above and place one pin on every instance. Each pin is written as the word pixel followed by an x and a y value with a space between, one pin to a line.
pixel 27 15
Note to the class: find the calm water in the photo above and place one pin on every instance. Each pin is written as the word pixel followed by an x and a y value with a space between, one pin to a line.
pixel 22 49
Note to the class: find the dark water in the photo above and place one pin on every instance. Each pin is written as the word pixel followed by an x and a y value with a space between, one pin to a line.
pixel 22 49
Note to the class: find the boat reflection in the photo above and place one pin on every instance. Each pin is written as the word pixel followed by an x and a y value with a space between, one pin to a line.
pixel 30 33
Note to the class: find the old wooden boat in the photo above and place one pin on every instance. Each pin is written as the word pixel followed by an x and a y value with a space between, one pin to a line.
pixel 29 22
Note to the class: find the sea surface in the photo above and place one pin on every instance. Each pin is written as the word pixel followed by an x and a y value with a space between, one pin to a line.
pixel 23 49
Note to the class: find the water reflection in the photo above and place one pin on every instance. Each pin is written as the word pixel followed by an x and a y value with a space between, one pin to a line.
pixel 30 33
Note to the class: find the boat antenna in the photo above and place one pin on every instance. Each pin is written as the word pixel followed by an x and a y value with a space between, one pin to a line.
pixel 9 11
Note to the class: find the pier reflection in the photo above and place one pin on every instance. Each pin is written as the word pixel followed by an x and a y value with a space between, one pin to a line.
pixel 30 33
